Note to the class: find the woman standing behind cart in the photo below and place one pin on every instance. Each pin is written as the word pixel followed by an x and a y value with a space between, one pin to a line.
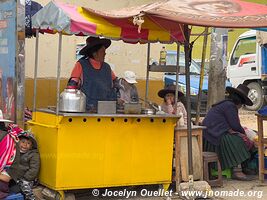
pixel 96 75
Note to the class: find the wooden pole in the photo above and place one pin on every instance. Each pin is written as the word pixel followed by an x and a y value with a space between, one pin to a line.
pixel 204 50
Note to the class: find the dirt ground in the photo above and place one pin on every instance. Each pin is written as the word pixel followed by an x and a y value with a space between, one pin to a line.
pixel 231 189
pixel 249 119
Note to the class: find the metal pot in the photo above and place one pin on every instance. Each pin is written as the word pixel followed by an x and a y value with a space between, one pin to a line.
pixel 148 111
pixel 132 108
pixel 72 100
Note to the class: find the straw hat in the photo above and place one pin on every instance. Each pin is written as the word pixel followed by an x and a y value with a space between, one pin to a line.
pixel 130 77
pixel 169 89
pixel 2 118
pixel 242 91
pixel 92 42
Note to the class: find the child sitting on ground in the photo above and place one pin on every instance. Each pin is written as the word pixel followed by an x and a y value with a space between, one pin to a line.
pixel 29 166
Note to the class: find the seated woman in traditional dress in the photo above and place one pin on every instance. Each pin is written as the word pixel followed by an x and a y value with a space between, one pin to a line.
pixel 169 106
pixel 225 135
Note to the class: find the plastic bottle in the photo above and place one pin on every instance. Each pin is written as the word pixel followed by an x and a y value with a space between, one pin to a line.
pixel 162 58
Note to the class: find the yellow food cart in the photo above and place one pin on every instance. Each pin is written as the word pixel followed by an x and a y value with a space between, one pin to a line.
pixel 85 150
pixel 82 150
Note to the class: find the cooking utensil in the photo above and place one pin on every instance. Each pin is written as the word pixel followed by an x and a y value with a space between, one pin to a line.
pixel 106 107
pixel 132 108
pixel 151 104
pixel 148 111
pixel 72 99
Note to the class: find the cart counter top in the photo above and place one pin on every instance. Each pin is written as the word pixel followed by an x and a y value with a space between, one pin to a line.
pixel 73 114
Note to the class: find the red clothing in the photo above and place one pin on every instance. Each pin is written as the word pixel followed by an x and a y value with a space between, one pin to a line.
pixel 8 146
pixel 77 71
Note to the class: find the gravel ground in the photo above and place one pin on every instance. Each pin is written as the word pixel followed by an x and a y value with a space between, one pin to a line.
pixel 249 119
pixel 232 189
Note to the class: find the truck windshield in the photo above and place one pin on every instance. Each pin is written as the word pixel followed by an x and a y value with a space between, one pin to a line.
pixel 244 47
pixel 171 59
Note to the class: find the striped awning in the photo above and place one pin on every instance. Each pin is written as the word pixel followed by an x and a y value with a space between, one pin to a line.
pixel 75 20
pixel 157 22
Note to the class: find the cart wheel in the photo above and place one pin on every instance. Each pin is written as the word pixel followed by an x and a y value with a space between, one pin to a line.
pixel 60 195
pixel 164 187
pixel 69 196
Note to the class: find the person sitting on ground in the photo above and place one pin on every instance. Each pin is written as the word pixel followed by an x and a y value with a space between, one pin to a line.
pixel 10 157
pixel 29 164
pixel 127 90
pixel 168 106
pixel 224 133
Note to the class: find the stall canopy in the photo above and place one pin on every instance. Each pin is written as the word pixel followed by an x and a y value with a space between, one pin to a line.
pixel 164 21
pixel 71 19
pixel 158 22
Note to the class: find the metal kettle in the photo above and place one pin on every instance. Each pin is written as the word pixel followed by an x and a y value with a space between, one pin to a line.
pixel 72 100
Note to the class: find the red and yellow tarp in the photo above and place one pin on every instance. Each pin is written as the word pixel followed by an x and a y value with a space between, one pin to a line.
pixel 160 22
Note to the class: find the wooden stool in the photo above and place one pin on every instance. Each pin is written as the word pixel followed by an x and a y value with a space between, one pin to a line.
pixel 211 157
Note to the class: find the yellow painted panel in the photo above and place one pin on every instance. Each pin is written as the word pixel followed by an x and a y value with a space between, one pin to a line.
pixel 47 144
pixel 105 153
pixel 103 27
pixel 45 118
pixel 154 35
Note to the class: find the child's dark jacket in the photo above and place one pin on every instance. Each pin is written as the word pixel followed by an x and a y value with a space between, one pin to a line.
pixel 29 162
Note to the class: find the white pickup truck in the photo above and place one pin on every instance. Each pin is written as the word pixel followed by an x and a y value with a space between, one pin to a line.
pixel 245 66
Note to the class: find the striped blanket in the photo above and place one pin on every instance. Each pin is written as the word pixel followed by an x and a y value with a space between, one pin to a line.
pixel 8 146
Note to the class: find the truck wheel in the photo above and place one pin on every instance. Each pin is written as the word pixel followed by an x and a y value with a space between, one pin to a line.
pixel 256 96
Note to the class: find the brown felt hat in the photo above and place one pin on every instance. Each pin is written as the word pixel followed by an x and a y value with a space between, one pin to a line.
pixel 169 89
pixel 92 42
pixel 242 91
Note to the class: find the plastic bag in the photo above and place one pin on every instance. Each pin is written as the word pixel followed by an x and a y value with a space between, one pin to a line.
pixel 252 135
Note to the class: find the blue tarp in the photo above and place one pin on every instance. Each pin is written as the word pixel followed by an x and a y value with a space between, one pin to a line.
pixel 261 29
pixel 263 53
pixel 194 82
pixel 31 7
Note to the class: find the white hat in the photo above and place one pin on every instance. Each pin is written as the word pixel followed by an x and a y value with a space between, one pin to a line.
pixel 130 77
pixel 2 118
